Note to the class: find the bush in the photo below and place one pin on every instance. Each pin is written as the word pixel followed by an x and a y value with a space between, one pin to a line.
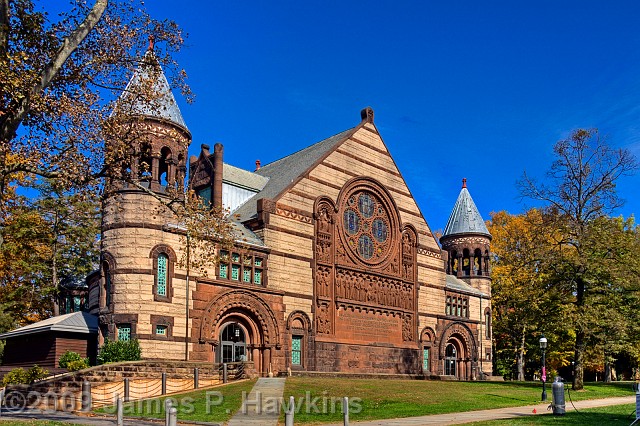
pixel 76 365
pixel 67 357
pixel 121 350
pixel 18 376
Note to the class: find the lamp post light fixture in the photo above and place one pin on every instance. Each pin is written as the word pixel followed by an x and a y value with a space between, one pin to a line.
pixel 543 347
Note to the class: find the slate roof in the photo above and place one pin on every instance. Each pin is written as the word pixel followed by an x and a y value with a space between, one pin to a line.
pixel 165 107
pixel 465 217
pixel 75 322
pixel 283 172
pixel 456 284
pixel 243 178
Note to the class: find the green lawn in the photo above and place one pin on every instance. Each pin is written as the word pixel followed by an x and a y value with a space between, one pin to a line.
pixel 213 405
pixel 33 423
pixel 614 415
pixel 380 399
pixel 318 400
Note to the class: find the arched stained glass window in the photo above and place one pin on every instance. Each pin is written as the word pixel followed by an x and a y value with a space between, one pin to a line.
pixel 163 261
pixel 365 247
pixel 366 205
pixel 351 221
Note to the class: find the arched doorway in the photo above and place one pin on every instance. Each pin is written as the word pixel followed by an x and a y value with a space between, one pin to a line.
pixel 233 343
pixel 450 360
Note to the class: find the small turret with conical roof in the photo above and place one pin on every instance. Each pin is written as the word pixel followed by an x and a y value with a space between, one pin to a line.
pixel 466 241
pixel 159 156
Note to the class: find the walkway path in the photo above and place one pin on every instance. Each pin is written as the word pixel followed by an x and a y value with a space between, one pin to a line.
pixel 262 406
pixel 495 414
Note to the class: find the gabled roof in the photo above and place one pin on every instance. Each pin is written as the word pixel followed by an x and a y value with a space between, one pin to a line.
pixel 465 217
pixel 165 106
pixel 456 284
pixel 75 322
pixel 243 178
pixel 283 172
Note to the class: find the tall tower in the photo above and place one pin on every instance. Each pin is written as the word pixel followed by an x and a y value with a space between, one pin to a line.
pixel 140 292
pixel 466 240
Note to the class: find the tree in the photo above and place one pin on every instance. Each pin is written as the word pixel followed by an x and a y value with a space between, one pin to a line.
pixel 73 221
pixel 525 306
pixel 61 78
pixel 580 188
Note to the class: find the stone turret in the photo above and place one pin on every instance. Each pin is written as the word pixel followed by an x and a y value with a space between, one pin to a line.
pixel 467 243
pixel 141 292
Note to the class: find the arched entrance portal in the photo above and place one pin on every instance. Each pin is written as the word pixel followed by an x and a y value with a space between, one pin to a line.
pixel 239 327
pixel 233 343
pixel 458 350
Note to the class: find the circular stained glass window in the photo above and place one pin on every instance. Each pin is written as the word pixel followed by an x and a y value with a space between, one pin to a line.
pixel 351 221
pixel 366 205
pixel 365 246
pixel 379 230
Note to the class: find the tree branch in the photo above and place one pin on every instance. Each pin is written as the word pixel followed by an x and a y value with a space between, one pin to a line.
pixel 4 27
pixel 70 43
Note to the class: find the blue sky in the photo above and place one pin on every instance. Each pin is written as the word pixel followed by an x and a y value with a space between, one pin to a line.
pixel 471 89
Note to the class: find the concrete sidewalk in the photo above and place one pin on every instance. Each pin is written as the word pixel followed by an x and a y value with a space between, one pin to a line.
pixel 495 414
pixel 262 406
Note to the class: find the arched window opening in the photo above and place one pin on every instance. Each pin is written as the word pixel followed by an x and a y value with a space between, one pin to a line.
pixel 487 322
pixel 233 344
pixel 145 163
pixel 161 274
pixel 165 158
pixel 454 262
pixel 450 360
pixel 466 262
pixel 477 262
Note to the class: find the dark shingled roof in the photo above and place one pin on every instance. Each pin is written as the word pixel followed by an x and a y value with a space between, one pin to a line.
pixel 165 107
pixel 283 172
pixel 465 217
pixel 75 322
pixel 456 284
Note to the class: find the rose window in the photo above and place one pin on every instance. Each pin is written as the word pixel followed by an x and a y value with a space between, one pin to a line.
pixel 366 224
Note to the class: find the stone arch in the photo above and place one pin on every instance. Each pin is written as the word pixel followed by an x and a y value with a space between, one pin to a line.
pixel 163 248
pixel 464 334
pixel 163 294
pixel 300 316
pixel 428 335
pixel 244 304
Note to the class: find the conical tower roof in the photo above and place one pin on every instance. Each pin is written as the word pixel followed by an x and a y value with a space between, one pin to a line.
pixel 465 217
pixel 149 78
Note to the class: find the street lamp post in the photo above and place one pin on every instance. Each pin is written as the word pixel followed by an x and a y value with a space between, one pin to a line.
pixel 543 347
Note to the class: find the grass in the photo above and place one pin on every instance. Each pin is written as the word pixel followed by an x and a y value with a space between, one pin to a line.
pixel 213 405
pixel 34 423
pixel 614 415
pixel 318 399
pixel 384 399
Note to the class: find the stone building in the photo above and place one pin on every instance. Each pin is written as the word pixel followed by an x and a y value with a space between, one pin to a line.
pixel 334 268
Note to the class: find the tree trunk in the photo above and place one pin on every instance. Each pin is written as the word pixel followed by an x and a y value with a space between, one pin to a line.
pixel 520 356
pixel 578 367
pixel 607 372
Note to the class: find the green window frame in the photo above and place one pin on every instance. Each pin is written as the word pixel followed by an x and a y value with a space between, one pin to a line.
pixel 124 332
pixel 296 350
pixel 247 268
pixel 425 360
pixel 163 262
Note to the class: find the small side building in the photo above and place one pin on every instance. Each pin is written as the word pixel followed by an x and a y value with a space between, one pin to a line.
pixel 45 341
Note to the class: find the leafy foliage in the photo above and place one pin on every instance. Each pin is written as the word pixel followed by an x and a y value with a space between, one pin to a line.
pixel 118 351
pixel 19 376
pixel 67 357
pixel 76 365
pixel 578 195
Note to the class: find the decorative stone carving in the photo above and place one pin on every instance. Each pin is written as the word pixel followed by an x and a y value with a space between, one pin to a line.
pixel 323 322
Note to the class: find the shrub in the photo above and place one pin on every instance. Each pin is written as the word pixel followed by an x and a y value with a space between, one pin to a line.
pixel 79 364
pixel 67 357
pixel 19 376
pixel 121 350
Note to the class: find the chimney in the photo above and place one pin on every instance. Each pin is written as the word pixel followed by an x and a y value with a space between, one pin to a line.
pixel 217 175
pixel 257 165
pixel 464 182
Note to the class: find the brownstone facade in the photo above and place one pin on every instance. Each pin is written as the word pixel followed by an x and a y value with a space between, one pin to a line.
pixel 334 269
